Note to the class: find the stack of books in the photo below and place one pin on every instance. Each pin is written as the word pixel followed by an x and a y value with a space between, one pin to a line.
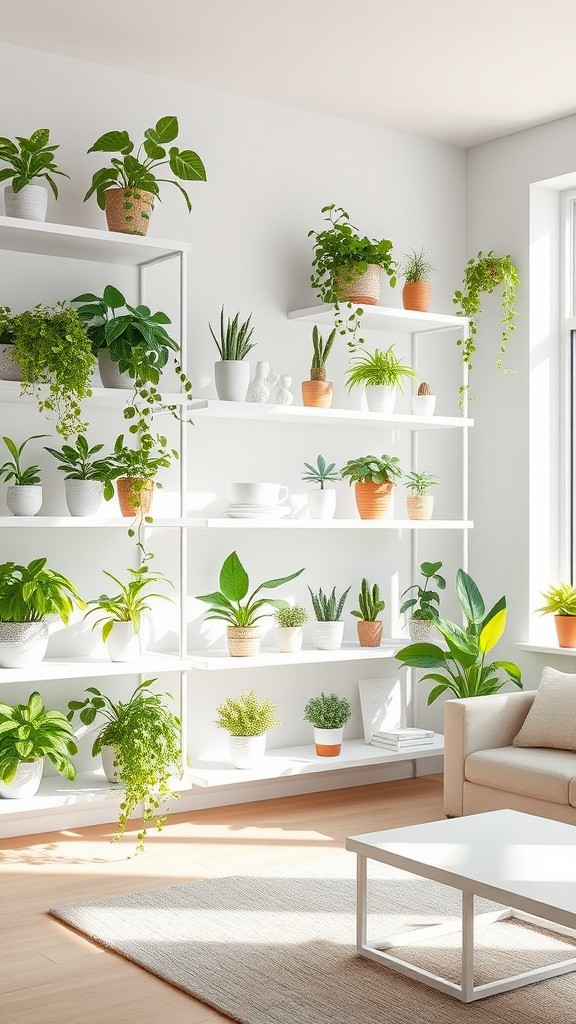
pixel 403 739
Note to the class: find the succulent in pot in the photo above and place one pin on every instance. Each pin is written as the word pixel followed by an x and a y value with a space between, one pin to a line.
pixel 329 626
pixel 24 493
pixel 321 500
pixel 29 734
pixel 247 719
pixel 560 602
pixel 420 503
pixel 328 714
pixel 126 190
pixel 28 595
pixel 28 161
pixel 242 613
pixel 232 370
pixel 370 605
pixel 416 271
pixel 289 622
pixel 374 478
pixel 120 615
pixel 317 392
pixel 382 374
pixel 423 602
pixel 424 402
pixel 140 748
pixel 87 480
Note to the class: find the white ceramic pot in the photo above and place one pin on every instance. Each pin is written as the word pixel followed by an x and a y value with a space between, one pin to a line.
pixel 421 630
pixel 108 755
pixel 22 643
pixel 83 497
pixel 30 203
pixel 247 751
pixel 24 499
pixel 9 368
pixel 328 636
pixel 381 398
pixel 322 503
pixel 110 374
pixel 232 377
pixel 289 639
pixel 25 783
pixel 123 643
pixel 328 742
pixel 423 405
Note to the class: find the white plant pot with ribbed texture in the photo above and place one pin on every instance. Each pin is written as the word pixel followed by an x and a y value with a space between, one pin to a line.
pixel 247 751
pixel 380 398
pixel 22 643
pixel 232 377
pixel 321 503
pixel 110 374
pixel 83 497
pixel 423 405
pixel 328 636
pixel 289 639
pixel 108 755
pixel 24 499
pixel 25 783
pixel 9 368
pixel 30 203
pixel 123 643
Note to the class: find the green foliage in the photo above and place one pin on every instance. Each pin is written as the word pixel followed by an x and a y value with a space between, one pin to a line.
pixel 29 593
pixel 29 160
pixel 420 483
pixel 52 348
pixel 291 616
pixel 321 348
pixel 228 604
pixel 321 472
pixel 77 463
pixel 12 471
pixel 328 607
pixel 141 171
pixel 247 715
pixel 416 267
pixel 130 603
pixel 141 463
pixel 461 668
pixel 29 732
pixel 145 735
pixel 369 602
pixel 372 469
pixel 235 337
pixel 424 605
pixel 328 711
pixel 378 369
pixel 560 600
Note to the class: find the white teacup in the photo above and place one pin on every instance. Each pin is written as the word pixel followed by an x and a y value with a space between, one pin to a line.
pixel 257 494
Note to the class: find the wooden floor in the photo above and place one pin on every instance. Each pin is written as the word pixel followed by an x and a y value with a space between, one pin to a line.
pixel 49 975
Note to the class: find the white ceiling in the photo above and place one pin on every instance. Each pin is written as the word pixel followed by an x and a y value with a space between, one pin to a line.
pixel 456 70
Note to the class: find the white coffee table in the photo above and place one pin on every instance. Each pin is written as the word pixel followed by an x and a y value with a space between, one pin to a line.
pixel 526 864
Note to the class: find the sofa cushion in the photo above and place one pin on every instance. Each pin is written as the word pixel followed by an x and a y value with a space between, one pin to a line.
pixel 551 721
pixel 542 774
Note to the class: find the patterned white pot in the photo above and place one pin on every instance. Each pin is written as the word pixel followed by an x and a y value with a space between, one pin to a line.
pixel 328 636
pixel 328 742
pixel 24 499
pixel 421 630
pixel 9 368
pixel 25 783
pixel 232 377
pixel 83 497
pixel 30 203
pixel 423 405
pixel 321 503
pixel 22 643
pixel 123 643
pixel 108 755
pixel 110 374
pixel 289 639
pixel 380 398
pixel 247 751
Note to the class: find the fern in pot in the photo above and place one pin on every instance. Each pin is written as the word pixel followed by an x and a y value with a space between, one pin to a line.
pixel 28 595
pixel 247 719
pixel 289 623
pixel 329 626
pixel 382 375
pixel 30 733
pixel 232 370
pixel 321 500
pixel 328 714
pixel 120 614
pixel 24 493
pixel 87 480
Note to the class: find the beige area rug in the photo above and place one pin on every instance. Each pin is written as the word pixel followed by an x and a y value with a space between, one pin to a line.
pixel 277 947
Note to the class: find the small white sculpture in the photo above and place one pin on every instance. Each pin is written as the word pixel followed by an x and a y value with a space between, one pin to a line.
pixel 262 383
pixel 283 395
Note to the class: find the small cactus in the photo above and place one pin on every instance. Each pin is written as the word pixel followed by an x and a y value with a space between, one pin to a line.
pixel 424 389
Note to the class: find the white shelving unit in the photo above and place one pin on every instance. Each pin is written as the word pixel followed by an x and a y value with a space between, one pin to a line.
pixel 220 660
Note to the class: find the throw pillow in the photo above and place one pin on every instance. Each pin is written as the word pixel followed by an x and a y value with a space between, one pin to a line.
pixel 551 721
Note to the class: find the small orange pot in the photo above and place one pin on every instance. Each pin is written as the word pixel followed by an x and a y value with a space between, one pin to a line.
pixel 128 210
pixel 134 495
pixel 317 393
pixel 416 295
pixel 369 633
pixel 374 501
pixel 566 630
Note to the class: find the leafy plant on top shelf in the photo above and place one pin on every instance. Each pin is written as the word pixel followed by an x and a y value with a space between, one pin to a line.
pixel 372 469
pixel 29 732
pixel 420 483
pixel 370 604
pixel 321 473
pixel 12 471
pixel 130 603
pixel 234 342
pixel 77 462
pixel 247 715
pixel 328 607
pixel 378 369
pixel 30 160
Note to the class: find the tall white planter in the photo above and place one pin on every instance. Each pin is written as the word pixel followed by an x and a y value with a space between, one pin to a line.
pixel 110 374
pixel 322 503
pixel 247 751
pixel 24 499
pixel 232 377
pixel 289 639
pixel 123 643
pixel 328 636
pixel 83 497
pixel 9 368
pixel 25 783
pixel 22 643
pixel 380 398
pixel 30 203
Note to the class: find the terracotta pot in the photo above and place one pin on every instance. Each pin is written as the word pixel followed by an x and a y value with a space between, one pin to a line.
pixel 243 641
pixel 566 630
pixel 317 393
pixel 128 210
pixel 134 495
pixel 369 633
pixel 328 742
pixel 361 288
pixel 416 295
pixel 374 501
pixel 420 507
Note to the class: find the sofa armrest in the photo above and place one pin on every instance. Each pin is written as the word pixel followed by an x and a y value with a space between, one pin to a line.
pixel 477 723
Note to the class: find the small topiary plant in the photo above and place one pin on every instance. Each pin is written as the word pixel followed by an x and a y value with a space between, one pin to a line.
pixel 328 711
pixel 247 715
pixel 291 617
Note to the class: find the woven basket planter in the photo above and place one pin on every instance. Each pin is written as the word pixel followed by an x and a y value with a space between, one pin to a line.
pixel 243 641
pixel 420 507
pixel 374 501
pixel 317 393
pixel 416 295
pixel 128 210
pixel 361 288
pixel 134 495
pixel 369 633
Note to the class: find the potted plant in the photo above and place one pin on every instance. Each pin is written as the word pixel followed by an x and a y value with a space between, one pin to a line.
pixel 484 274
pixel 329 627
pixel 423 607
pixel 29 734
pixel 370 605
pixel 321 501
pixel 561 603
pixel 135 471
pixel 231 371
pixel 346 268
pixel 462 667
pixel 126 190
pixel 242 616
pixel 87 479
pixel 140 748
pixel 121 614
pixel 24 494
pixel 424 402
pixel 247 719
pixel 289 622
pixel 317 392
pixel 328 714
pixel 416 271
pixel 28 160
pixel 9 369
pixel 374 478
pixel 420 503
pixel 28 594
pixel 382 373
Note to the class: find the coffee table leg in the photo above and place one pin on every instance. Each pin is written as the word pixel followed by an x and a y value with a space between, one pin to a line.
pixel 467 972
pixel 361 896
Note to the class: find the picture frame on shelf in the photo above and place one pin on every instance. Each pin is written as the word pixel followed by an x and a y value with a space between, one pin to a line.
pixel 383 704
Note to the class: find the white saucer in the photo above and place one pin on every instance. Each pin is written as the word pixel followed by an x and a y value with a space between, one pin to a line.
pixel 278 512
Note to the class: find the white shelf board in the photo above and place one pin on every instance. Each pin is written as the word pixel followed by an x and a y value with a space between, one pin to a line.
pixel 220 660
pixel 254 411
pixel 291 761
pixel 194 523
pixel 569 652
pixel 92 668
pixel 79 243
pixel 84 523
pixel 385 318
pixel 117 397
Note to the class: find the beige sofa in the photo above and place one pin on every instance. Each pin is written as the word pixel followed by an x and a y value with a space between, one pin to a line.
pixel 484 772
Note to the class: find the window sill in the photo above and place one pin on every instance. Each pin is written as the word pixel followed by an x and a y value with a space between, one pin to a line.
pixel 542 649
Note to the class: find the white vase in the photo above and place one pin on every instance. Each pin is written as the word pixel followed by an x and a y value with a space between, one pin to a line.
pixel 328 636
pixel 30 203
pixel 9 368
pixel 328 742
pixel 123 643
pixel 22 643
pixel 381 398
pixel 83 497
pixel 321 503
pixel 110 375
pixel 232 377
pixel 423 405
pixel 247 751
pixel 289 639
pixel 25 783
pixel 108 755
pixel 24 499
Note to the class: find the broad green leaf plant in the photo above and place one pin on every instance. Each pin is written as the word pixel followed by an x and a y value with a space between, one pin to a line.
pixel 229 605
pixel 29 160
pixel 131 601
pixel 12 471
pixel 29 732
pixel 424 604
pixel 77 462
pixel 29 593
